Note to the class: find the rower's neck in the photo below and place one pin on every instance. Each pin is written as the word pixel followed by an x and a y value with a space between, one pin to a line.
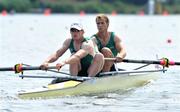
pixel 103 35
pixel 79 41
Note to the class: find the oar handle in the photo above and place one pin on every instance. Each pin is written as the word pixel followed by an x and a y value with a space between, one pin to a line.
pixel 164 61
pixel 110 59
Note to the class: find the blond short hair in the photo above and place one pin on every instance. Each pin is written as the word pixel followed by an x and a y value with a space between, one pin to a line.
pixel 104 17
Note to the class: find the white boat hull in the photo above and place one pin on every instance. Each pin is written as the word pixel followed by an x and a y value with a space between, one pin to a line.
pixel 92 86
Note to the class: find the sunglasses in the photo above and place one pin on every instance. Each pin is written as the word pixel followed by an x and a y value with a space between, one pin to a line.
pixel 74 30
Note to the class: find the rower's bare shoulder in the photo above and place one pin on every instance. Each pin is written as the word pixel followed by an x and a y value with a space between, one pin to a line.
pixel 117 38
pixel 67 42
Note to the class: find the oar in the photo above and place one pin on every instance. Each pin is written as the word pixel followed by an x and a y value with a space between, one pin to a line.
pixel 50 70
pixel 19 68
pixel 164 62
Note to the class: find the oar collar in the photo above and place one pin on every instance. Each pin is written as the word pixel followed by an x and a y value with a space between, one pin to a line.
pixel 18 68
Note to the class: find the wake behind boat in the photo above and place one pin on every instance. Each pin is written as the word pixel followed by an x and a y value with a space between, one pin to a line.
pixel 114 81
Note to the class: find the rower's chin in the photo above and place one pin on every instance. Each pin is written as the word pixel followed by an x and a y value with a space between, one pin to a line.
pixel 101 30
pixel 75 37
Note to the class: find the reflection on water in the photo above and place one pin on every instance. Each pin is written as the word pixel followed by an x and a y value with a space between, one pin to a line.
pixel 30 39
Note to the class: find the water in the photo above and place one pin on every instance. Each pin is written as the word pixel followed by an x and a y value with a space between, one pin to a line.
pixel 30 39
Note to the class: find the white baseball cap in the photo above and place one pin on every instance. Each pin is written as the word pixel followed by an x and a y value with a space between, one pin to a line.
pixel 77 26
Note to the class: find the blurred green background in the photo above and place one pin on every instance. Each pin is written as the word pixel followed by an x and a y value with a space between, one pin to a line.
pixel 91 6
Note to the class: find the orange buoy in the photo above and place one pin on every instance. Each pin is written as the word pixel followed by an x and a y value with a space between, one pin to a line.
pixel 114 13
pixel 165 13
pixel 82 13
pixel 47 12
pixel 4 13
pixel 141 13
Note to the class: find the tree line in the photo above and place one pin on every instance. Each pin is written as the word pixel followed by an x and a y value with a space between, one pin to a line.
pixel 88 6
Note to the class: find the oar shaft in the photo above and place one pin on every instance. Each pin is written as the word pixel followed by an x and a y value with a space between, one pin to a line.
pixel 176 63
pixel 141 61
pixel 7 69
pixel 25 68
pixel 161 62
pixel 37 68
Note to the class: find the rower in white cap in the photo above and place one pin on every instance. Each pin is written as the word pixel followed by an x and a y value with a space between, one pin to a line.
pixel 85 59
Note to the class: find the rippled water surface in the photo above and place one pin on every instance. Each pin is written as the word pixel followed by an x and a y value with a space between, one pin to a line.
pixel 30 39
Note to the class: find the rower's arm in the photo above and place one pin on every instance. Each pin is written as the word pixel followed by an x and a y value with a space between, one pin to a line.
pixel 94 40
pixel 120 48
pixel 85 50
pixel 59 52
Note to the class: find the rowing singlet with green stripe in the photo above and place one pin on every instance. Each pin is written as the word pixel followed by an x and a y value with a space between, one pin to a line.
pixel 85 62
pixel 110 44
